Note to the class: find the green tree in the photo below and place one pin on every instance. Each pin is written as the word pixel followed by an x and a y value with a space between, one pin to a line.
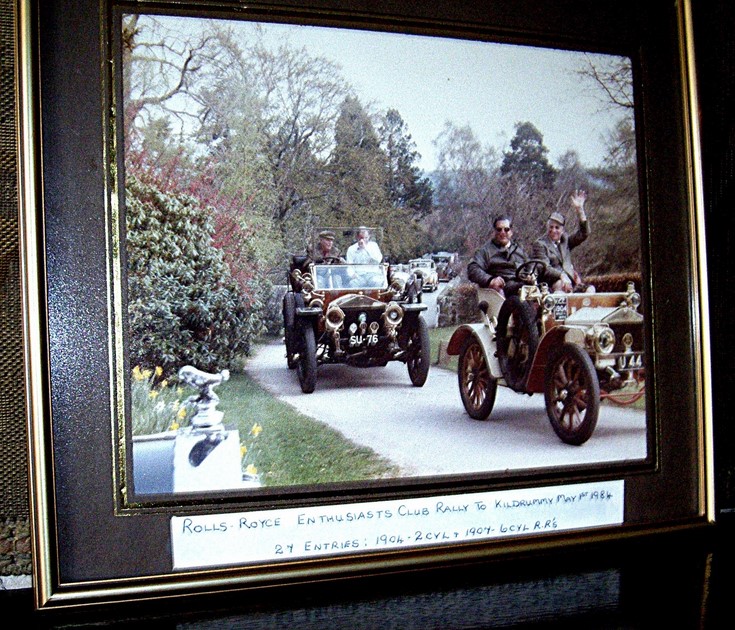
pixel 358 189
pixel 358 169
pixel 184 308
pixel 407 188
pixel 527 159
pixel 616 202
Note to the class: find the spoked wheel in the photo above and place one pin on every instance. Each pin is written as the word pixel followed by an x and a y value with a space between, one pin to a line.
pixel 517 341
pixel 419 353
pixel 289 322
pixel 477 386
pixel 306 366
pixel 572 394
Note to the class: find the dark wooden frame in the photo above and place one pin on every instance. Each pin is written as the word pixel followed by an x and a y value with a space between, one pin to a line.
pixel 88 546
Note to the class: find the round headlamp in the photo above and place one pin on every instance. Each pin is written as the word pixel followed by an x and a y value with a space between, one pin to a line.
pixel 604 340
pixel 398 285
pixel 334 318
pixel 548 303
pixel 393 314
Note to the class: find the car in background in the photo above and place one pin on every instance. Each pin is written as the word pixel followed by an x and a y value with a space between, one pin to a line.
pixel 446 265
pixel 425 269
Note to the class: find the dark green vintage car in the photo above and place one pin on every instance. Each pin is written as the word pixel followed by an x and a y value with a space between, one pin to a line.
pixel 356 314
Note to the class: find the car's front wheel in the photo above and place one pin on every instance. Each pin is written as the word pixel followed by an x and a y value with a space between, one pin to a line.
pixel 419 353
pixel 572 394
pixel 477 387
pixel 306 367
pixel 517 340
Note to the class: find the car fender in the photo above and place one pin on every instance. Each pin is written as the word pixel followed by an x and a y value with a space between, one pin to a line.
pixel 308 312
pixel 485 335
pixel 553 339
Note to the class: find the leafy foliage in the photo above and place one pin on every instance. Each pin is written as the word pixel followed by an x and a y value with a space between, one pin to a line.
pixel 273 140
pixel 527 158
pixel 183 305
pixel 157 404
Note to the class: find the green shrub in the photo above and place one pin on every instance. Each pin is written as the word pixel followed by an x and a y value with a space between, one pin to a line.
pixel 184 308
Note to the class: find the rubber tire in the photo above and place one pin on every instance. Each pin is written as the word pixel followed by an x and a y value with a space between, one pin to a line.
pixel 419 353
pixel 515 372
pixel 289 323
pixel 306 367
pixel 477 387
pixel 571 365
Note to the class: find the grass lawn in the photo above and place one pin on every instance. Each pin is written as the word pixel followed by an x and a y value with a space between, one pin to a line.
pixel 436 337
pixel 293 449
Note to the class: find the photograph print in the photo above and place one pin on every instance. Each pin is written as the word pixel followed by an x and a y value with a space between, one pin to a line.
pixel 358 257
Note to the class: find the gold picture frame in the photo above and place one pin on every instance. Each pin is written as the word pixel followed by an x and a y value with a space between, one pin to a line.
pixel 95 540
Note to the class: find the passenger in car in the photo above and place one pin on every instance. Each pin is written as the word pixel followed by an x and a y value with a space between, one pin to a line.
pixel 555 249
pixel 494 264
pixel 364 251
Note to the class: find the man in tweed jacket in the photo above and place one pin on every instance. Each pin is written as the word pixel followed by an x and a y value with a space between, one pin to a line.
pixel 555 249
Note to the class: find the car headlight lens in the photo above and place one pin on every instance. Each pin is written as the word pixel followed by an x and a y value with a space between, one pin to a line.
pixel 548 303
pixel 603 339
pixel 398 285
pixel 393 314
pixel 334 318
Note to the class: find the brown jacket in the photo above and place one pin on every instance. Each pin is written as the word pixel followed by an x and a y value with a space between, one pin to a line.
pixel 559 259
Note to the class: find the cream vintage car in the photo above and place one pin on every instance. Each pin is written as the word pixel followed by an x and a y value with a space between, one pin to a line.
pixel 425 268
pixel 575 348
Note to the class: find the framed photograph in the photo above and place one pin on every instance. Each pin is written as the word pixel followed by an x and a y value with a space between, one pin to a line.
pixel 315 291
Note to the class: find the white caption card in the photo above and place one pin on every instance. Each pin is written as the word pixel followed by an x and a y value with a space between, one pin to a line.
pixel 210 540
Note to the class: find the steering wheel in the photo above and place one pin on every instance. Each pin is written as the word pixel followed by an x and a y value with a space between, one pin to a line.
pixel 530 271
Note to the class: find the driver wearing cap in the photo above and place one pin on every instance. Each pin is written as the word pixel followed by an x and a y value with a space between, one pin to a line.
pixel 325 248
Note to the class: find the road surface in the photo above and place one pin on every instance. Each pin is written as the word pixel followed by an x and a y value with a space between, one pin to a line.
pixel 426 431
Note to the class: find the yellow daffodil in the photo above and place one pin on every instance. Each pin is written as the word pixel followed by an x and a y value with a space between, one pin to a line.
pixel 181 414
pixel 159 370
pixel 251 470
pixel 243 450
pixel 255 431
pixel 147 373
pixel 137 374
pixel 174 426
pixel 152 394
pixel 164 384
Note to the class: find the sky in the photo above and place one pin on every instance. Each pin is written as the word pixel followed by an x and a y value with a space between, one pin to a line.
pixel 488 86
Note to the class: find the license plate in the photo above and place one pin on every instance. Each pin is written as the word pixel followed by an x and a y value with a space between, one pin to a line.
pixel 560 309
pixel 357 341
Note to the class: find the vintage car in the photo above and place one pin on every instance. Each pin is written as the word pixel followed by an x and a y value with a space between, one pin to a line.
pixel 576 348
pixel 355 314
pixel 446 263
pixel 425 268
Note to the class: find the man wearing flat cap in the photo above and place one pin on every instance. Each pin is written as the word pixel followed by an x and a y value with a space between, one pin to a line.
pixel 325 248
pixel 555 249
